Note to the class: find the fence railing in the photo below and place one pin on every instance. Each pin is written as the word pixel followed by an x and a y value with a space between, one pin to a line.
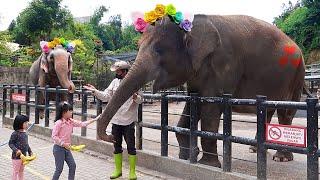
pixel 7 101
pixel 311 106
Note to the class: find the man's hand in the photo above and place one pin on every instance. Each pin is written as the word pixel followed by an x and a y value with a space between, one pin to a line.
pixel 89 87
pixel 134 96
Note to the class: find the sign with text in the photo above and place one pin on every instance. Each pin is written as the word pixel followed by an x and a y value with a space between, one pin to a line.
pixel 21 98
pixel 285 134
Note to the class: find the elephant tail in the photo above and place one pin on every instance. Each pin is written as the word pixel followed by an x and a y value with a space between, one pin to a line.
pixel 306 91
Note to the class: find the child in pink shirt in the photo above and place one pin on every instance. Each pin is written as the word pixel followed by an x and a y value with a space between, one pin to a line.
pixel 61 135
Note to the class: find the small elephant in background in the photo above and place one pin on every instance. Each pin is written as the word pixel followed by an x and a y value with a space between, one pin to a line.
pixel 54 69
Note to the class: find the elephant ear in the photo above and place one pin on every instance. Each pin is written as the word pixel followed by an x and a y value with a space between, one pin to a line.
pixel 44 63
pixel 70 61
pixel 202 40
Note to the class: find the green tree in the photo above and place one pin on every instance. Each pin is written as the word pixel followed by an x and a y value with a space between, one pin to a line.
pixel 39 19
pixel 301 22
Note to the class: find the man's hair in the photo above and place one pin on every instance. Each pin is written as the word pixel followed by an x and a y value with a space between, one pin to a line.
pixel 62 108
pixel 18 121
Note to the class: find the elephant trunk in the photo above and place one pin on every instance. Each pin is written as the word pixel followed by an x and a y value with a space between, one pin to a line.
pixel 62 71
pixel 134 80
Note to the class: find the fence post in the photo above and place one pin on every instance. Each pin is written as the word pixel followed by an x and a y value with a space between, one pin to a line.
pixel 139 129
pixel 84 111
pixel 164 125
pixel 261 137
pixel 227 132
pixel 194 102
pixel 70 100
pixel 99 111
pixel 19 105
pixel 27 100
pixel 11 103
pixel 4 102
pixel 58 99
pixel 312 134
pixel 46 108
pixel 36 102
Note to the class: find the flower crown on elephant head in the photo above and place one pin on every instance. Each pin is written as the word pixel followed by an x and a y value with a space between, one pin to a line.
pixel 46 47
pixel 141 22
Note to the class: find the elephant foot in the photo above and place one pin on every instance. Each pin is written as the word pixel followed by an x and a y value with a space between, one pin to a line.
pixel 214 161
pixel 282 156
pixel 185 153
pixel 253 149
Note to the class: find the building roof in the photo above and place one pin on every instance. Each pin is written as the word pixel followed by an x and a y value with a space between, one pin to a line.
pixel 124 57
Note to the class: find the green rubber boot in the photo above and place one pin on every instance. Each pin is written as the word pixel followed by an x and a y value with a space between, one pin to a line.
pixel 118 170
pixel 132 162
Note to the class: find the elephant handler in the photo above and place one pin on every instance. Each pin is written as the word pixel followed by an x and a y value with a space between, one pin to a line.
pixel 123 122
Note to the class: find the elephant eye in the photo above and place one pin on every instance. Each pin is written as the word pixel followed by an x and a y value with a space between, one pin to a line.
pixel 158 50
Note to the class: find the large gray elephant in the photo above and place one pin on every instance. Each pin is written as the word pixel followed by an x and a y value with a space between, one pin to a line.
pixel 232 54
pixel 54 69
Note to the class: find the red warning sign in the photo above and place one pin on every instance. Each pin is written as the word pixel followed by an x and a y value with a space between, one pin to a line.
pixel 18 97
pixel 285 134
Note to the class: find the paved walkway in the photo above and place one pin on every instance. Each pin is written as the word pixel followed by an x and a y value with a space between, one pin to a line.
pixel 90 165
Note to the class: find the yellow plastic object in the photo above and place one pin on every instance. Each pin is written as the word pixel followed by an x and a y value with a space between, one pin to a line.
pixel 31 158
pixel 77 148
pixel 27 159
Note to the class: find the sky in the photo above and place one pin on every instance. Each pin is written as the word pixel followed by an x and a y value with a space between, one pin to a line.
pixel 261 9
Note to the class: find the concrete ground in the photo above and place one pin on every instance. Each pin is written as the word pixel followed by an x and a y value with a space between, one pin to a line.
pixel 242 162
pixel 90 165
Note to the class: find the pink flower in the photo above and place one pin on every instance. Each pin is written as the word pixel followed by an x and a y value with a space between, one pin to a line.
pixel 140 25
pixel 45 48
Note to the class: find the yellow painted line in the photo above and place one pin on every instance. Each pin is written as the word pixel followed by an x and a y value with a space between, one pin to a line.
pixel 31 170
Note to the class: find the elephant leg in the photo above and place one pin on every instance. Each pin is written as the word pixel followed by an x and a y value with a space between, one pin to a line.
pixel 285 117
pixel 253 149
pixel 183 140
pixel 210 120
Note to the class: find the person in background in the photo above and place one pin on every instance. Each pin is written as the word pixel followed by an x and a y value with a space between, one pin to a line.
pixel 123 122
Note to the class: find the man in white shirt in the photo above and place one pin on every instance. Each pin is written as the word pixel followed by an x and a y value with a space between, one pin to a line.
pixel 123 121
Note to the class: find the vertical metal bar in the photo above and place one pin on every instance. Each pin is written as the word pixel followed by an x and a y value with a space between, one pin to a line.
pixel 227 132
pixel 312 135
pixel 99 111
pixel 84 111
pixel 19 105
pixel 70 100
pixel 164 125
pixel 27 100
pixel 58 99
pixel 194 102
pixel 139 129
pixel 99 107
pixel 46 109
pixel 4 102
pixel 11 104
pixel 261 128
pixel 36 108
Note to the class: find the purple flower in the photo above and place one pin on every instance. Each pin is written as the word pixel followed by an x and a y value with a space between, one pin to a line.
pixel 186 25
pixel 70 48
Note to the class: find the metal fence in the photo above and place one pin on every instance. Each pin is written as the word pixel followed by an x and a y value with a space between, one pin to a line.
pixel 311 106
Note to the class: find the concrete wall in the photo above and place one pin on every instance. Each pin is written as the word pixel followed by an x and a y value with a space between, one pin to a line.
pixel 172 166
pixel 14 75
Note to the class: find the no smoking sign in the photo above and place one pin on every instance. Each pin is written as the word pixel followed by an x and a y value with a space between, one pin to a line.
pixel 285 134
